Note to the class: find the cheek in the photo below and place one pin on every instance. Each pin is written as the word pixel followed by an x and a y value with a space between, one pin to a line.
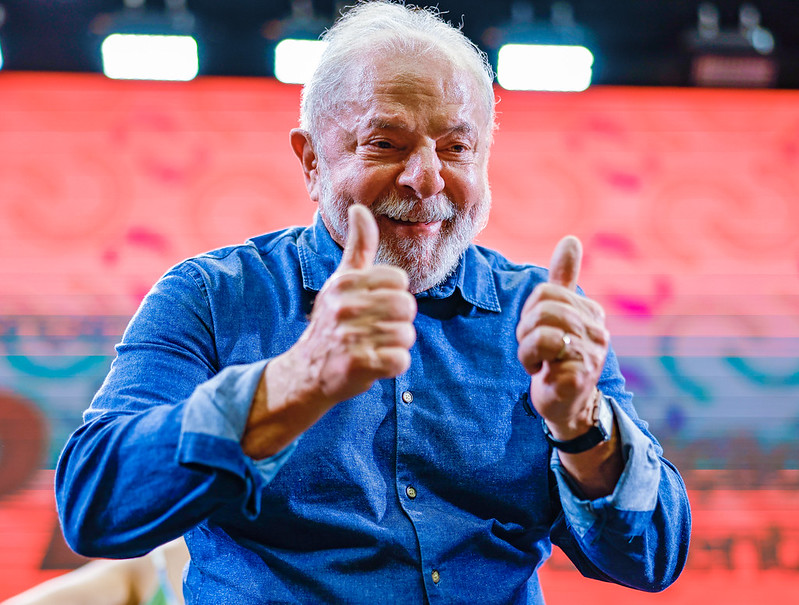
pixel 468 186
pixel 367 185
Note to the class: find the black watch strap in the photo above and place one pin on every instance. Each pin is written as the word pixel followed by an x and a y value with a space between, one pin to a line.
pixel 599 432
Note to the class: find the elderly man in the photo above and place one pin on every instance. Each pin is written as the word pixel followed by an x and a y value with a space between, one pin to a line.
pixel 361 425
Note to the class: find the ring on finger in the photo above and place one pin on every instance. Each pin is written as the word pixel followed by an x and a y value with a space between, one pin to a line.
pixel 566 339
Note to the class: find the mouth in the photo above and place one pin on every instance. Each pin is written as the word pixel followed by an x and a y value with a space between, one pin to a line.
pixel 409 226
pixel 404 221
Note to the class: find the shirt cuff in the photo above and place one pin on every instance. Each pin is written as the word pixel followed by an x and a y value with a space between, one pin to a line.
pixel 634 498
pixel 220 406
pixel 214 420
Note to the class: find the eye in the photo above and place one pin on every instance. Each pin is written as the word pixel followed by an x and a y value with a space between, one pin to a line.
pixel 382 145
pixel 456 149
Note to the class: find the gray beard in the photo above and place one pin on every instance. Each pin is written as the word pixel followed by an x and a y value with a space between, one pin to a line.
pixel 428 261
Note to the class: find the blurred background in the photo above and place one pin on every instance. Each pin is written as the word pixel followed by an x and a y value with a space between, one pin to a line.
pixel 664 133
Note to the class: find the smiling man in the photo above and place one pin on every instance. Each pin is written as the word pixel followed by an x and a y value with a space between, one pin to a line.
pixel 410 140
pixel 372 408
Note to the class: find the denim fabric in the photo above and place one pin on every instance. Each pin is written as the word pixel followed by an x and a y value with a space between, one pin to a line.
pixel 333 518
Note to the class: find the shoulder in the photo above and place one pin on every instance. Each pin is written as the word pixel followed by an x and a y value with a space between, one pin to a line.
pixel 277 247
pixel 507 272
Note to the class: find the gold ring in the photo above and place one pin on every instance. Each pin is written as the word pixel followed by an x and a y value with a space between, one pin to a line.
pixel 567 340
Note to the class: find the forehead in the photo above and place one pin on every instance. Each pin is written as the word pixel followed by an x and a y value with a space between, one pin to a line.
pixel 411 92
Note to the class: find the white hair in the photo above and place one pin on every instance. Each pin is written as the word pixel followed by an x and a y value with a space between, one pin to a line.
pixel 393 28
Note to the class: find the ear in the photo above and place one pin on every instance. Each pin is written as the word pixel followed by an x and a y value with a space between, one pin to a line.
pixel 304 150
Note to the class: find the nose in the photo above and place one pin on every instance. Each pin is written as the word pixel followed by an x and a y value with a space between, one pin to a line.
pixel 422 172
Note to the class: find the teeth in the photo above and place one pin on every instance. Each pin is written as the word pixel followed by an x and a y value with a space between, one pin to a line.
pixel 406 219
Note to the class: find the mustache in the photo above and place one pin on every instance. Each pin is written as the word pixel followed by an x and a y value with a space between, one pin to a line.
pixel 437 208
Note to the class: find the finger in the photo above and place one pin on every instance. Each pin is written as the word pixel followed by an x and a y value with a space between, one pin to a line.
pixel 362 239
pixel 564 268
pixel 376 305
pixel 541 344
pixel 564 317
pixel 383 362
pixel 394 361
pixel 376 277
pixel 381 334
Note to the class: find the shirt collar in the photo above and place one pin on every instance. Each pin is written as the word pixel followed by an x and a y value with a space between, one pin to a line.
pixel 320 255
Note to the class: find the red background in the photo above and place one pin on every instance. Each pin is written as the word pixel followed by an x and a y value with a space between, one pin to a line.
pixel 686 201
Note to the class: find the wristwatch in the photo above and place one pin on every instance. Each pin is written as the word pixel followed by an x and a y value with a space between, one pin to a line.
pixel 601 431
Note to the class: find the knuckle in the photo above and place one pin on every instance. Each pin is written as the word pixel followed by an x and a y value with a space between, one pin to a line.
pixel 398 361
pixel 410 335
pixel 341 310
pixel 596 310
pixel 410 306
pixel 342 280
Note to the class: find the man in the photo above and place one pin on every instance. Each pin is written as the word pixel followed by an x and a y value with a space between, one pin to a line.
pixel 362 425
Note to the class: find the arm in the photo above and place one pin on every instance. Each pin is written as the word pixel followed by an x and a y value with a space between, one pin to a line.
pixel 169 438
pixel 361 330
pixel 637 535
pixel 626 514
pixel 158 451
pixel 105 582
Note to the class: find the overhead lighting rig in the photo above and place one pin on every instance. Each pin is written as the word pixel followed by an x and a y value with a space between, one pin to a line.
pixel 543 55
pixel 145 44
pixel 742 56
pixel 297 49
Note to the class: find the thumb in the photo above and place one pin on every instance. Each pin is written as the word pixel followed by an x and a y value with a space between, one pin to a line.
pixel 564 268
pixel 362 239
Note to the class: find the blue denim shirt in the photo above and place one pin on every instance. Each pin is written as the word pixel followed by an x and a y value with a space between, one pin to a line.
pixel 435 486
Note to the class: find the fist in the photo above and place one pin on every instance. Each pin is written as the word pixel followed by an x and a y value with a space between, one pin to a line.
pixel 361 327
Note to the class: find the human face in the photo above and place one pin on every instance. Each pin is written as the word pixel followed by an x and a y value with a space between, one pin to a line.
pixel 411 144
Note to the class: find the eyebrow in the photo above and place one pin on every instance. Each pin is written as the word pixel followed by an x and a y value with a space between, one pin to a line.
pixel 385 124
pixel 378 123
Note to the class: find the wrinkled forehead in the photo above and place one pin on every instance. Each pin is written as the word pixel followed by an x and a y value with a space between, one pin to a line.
pixel 411 87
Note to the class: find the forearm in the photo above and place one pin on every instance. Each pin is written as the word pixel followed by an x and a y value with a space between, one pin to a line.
pixel 597 470
pixel 595 467
pixel 284 406
pixel 121 490
pixel 636 535
pixel 646 550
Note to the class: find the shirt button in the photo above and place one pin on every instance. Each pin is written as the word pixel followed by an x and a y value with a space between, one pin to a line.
pixel 407 396
pixel 436 576
pixel 411 492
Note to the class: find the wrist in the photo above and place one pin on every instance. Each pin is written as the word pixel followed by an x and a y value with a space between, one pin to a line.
pixel 283 407
pixel 594 425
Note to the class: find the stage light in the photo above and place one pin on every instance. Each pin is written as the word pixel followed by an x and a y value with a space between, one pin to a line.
pixel 150 57
pixel 297 48
pixel 544 67
pixel 295 60
pixel 140 43
pixel 542 54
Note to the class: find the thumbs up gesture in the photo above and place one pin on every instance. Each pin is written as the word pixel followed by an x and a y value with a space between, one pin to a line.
pixel 361 327
pixel 563 343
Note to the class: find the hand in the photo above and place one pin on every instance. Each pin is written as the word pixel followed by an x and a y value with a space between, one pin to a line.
pixel 564 376
pixel 361 327
pixel 361 330
pixel 362 323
